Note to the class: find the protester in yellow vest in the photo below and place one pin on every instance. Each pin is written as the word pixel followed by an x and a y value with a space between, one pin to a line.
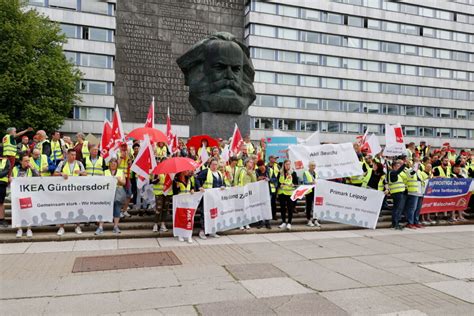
pixel 425 175
pixel 262 174
pixel 94 163
pixel 249 145
pixel 23 148
pixel 43 143
pixel 443 171
pixel 161 150
pixel 24 169
pixel 82 146
pixel 396 186
pixel 40 163
pixel 247 175
pixel 163 199
pixel 414 197
pixel 9 145
pixel 273 173
pixel 4 174
pixel 287 183
pixel 113 171
pixel 70 168
pixel 125 159
pixel 57 148
pixel 231 172
pixel 309 178
pixel 207 179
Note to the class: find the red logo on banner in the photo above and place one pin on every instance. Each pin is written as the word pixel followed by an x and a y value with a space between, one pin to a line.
pixel 319 200
pixel 25 203
pixel 462 203
pixel 213 212
pixel 429 191
pixel 398 135
pixel 299 165
pixel 184 218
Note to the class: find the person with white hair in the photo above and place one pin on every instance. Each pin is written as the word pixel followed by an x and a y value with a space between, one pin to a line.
pixel 9 145
pixel 43 143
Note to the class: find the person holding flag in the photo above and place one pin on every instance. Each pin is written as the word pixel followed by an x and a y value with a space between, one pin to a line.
pixel 161 150
pixel 162 188
pixel 309 178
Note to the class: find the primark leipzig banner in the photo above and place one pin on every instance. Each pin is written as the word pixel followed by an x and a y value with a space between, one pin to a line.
pixel 347 204
pixel 236 206
pixel 184 209
pixel 332 160
pixel 40 201
pixel 446 194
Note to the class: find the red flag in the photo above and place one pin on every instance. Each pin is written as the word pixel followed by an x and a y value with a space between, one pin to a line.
pixel 106 135
pixel 301 191
pixel 169 132
pixel 175 146
pixel 150 119
pixel 144 163
pixel 237 141
pixel 117 135
pixel 168 184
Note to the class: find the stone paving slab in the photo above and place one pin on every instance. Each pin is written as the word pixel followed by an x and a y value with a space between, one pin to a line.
pixel 95 245
pixel 14 248
pixel 458 270
pixel 51 246
pixel 174 242
pixel 383 261
pixel 418 257
pixel 248 238
pixel 460 289
pixel 417 274
pixel 274 287
pixel 254 271
pixel 281 237
pixel 138 243
pixel 366 301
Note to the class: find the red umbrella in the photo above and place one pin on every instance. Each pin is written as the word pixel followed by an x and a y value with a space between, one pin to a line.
pixel 155 135
pixel 195 141
pixel 175 165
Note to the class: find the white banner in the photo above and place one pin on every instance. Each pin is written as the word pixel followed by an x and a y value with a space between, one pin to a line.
pixel 394 142
pixel 40 201
pixel 235 207
pixel 332 160
pixel 347 204
pixel 184 209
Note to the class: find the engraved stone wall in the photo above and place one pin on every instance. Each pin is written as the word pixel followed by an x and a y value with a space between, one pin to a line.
pixel 151 34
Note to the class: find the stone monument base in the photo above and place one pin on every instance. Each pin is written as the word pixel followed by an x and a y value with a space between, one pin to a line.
pixel 219 124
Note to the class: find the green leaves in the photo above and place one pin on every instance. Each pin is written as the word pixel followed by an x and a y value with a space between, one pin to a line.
pixel 37 83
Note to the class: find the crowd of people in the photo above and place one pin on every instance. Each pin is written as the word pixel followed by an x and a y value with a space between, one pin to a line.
pixel 402 178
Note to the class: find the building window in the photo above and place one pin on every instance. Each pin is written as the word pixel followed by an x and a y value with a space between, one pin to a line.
pixel 460 75
pixel 333 18
pixel 428 112
pixel 289 57
pixel 264 7
pixel 351 128
pixel 427 52
pixel 263 123
pixel 265 100
pixel 310 104
pixel 353 85
pixel 429 32
pixel 444 113
pixel 409 90
pixel 351 63
pixel 410 29
pixel 263 30
pixel 263 53
pixel 354 21
pixel 409 130
pixel 371 108
pixel 97 34
pixel 371 128
pixel 331 127
pixel 353 107
pixel 460 95
pixel 288 34
pixel 308 126
pixel 352 42
pixel 444 54
pixel 287 79
pixel 330 83
pixel 390 88
pixel 390 109
pixel 71 57
pixel 427 131
pixel 391 27
pixel 288 11
pixel 444 93
pixel 409 50
pixel 263 76
pixel 409 70
pixel 310 81
pixel 287 125
pixel 391 47
pixel 311 14
pixel 410 110
pixel 96 87
pixel 427 92
pixel 443 132
pixel 370 86
pixel 371 65
pixel 461 114
pixel 391 68
pixel 310 37
pixel 445 35
pixel 92 113
pixel 69 30
pixel 98 61
pixel 460 133
pixel 66 4
pixel 331 61
pixel 335 40
pixel 444 73
pixel 288 102
pixel 427 71
pixel 309 59
pixel 373 24
pixel 331 105
pixel 372 45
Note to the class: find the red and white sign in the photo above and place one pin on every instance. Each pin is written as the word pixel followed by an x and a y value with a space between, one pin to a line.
pixel 150 118
pixel 394 142
pixel 372 145
pixel 184 209
pixel 300 192
pixel 25 203
pixel 144 163
pixel 237 141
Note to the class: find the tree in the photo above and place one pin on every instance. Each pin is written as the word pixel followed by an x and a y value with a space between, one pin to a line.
pixel 37 82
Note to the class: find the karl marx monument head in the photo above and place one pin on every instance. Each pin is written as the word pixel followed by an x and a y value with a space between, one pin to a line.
pixel 219 73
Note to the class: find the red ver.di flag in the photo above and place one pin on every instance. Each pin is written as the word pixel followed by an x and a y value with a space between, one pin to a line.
pixel 446 194
pixel 395 144
pixel 184 208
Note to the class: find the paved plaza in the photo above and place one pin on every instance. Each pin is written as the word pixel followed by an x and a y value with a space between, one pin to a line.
pixel 359 272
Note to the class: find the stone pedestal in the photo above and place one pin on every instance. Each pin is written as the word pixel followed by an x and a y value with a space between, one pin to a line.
pixel 219 124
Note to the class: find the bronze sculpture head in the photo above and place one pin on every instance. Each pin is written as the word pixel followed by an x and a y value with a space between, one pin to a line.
pixel 220 74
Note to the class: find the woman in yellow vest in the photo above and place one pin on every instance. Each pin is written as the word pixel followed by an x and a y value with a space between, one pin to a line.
pixel 288 180
pixel 120 195
pixel 247 175
pixel 163 190
pixel 24 169
pixel 309 178
pixel 70 168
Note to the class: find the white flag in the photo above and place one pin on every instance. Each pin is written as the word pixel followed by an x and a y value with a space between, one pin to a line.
pixel 225 155
pixel 394 142
pixel 204 155
pixel 313 139
pixel 373 145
